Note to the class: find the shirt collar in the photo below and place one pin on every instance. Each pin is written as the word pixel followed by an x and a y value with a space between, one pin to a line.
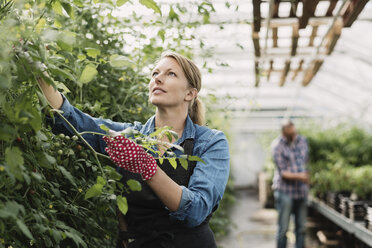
pixel 188 132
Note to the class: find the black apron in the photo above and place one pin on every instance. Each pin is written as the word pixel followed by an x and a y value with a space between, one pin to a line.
pixel 148 219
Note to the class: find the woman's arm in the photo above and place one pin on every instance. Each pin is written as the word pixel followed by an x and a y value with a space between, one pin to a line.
pixel 53 96
pixel 166 189
pixel 206 187
pixel 81 121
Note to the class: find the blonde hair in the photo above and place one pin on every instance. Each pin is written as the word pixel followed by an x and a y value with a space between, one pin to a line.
pixel 193 76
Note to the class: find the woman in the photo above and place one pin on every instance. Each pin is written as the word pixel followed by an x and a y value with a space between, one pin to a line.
pixel 174 206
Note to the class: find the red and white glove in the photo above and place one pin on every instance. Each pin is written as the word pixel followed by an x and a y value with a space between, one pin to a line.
pixel 130 156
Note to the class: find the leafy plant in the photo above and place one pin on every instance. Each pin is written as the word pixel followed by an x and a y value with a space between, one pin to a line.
pixel 101 62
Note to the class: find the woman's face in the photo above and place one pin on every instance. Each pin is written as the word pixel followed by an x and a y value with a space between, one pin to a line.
pixel 168 86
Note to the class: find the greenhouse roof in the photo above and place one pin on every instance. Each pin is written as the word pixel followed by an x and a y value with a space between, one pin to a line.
pixel 341 88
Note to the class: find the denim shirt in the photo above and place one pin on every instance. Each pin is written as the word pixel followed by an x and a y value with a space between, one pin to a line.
pixel 208 181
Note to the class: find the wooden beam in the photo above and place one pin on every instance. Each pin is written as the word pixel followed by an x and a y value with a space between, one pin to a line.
pixel 284 73
pixel 311 71
pixel 270 69
pixel 290 21
pixel 276 9
pixel 353 11
pixel 334 35
pixel 332 5
pixel 313 35
pixel 293 11
pixel 257 15
pixel 295 35
pixel 256 43
pixel 275 37
pixel 257 73
pixel 308 11
pixel 299 68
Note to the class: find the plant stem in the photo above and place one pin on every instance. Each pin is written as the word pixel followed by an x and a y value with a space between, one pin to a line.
pixel 90 132
pixel 81 137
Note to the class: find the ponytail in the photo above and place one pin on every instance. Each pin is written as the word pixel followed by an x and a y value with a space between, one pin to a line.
pixel 197 112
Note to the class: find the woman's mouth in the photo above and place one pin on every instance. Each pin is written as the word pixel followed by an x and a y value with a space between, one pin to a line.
pixel 158 91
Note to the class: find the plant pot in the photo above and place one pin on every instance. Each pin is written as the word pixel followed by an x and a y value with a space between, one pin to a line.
pixel 357 209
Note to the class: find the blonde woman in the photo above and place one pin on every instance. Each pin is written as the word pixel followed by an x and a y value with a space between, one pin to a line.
pixel 174 206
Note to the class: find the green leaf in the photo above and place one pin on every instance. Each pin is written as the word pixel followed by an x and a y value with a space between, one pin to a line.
pixel 134 185
pixel 161 160
pixel 45 160
pixel 41 136
pixel 35 120
pixel 121 2
pixel 92 52
pixel 7 132
pixel 122 204
pixel 95 190
pixel 119 61
pixel 104 128
pixel 184 163
pixel 74 235
pixel 57 7
pixel 161 33
pixel 173 15
pixel 101 180
pixel 13 157
pixel 60 72
pixel 11 209
pixel 24 229
pixel 67 175
pixel 195 158
pixel 66 40
pixel 88 74
pixel 173 162
pixel 81 57
pixel 151 5
pixel 112 173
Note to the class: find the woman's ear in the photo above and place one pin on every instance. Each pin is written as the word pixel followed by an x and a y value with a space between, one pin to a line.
pixel 191 94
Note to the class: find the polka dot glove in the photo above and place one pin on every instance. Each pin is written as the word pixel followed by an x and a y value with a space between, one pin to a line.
pixel 130 156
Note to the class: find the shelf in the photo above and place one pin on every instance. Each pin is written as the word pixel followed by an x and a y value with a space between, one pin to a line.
pixel 356 228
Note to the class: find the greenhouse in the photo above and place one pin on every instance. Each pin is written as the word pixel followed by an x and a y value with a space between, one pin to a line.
pixel 104 141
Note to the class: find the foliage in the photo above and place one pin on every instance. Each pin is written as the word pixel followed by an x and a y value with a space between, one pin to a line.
pixel 101 61
pixel 340 159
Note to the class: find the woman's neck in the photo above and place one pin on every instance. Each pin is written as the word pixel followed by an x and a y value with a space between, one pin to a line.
pixel 174 118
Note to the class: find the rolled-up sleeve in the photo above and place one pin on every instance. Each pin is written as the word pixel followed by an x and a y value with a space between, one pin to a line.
pixel 84 122
pixel 207 183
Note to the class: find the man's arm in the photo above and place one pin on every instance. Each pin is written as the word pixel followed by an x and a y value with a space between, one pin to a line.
pixel 283 169
pixel 299 176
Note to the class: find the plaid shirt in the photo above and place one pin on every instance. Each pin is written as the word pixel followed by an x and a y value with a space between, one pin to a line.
pixel 290 157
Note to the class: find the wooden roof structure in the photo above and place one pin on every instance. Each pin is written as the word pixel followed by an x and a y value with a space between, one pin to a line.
pixel 313 35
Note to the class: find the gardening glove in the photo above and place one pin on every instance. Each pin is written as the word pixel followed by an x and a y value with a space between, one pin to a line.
pixel 130 156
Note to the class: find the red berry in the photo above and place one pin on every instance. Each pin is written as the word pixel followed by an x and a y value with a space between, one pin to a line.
pixel 32 192
pixel 19 139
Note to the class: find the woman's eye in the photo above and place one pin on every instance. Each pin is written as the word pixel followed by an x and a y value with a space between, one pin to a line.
pixel 172 74
pixel 154 73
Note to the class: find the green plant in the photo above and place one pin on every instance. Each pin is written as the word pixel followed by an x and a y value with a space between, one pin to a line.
pixel 101 62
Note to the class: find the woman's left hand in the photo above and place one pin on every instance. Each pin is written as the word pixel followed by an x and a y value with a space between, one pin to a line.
pixel 130 156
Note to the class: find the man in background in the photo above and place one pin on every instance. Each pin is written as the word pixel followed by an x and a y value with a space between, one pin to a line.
pixel 290 183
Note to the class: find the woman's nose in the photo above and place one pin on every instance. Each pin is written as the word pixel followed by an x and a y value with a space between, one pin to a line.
pixel 159 78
